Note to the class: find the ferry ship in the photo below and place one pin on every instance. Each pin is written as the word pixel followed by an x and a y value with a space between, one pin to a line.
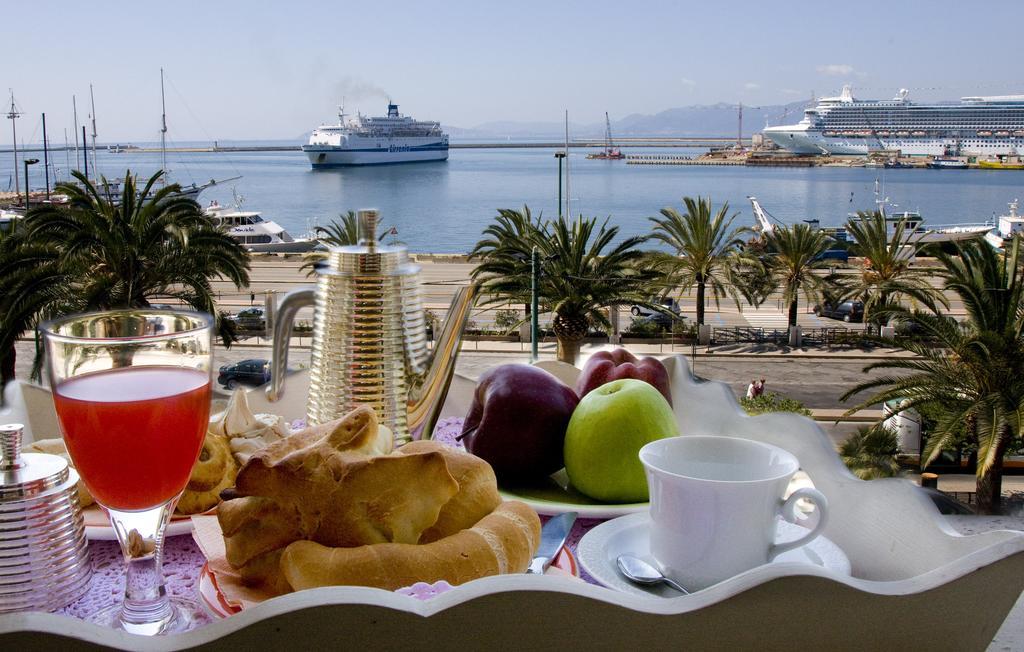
pixel 363 140
pixel 979 126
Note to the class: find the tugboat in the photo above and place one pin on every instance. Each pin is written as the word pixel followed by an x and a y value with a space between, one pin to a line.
pixel 1010 226
pixel 610 152
pixel 947 163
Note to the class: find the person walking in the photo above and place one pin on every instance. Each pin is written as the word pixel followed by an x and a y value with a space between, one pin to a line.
pixel 758 388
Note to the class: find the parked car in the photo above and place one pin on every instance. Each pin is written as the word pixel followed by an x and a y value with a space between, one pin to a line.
pixel 660 318
pixel 848 311
pixel 253 372
pixel 251 319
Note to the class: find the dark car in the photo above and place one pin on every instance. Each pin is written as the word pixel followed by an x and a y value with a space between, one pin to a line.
pixel 254 372
pixel 848 311
pixel 251 319
pixel 668 303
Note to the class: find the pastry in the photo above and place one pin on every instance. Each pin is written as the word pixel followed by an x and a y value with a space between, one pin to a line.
pixel 247 432
pixel 215 471
pixel 343 496
pixel 324 496
pixel 502 542
pixel 477 495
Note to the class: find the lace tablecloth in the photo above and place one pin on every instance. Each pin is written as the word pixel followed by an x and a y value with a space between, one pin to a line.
pixel 183 561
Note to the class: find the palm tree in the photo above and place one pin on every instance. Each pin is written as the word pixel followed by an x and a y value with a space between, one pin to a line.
pixel 99 252
pixel 870 452
pixel 975 376
pixel 339 233
pixel 886 277
pixel 796 253
pixel 582 271
pixel 706 248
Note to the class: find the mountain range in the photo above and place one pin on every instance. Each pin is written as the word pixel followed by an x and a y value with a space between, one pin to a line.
pixel 699 120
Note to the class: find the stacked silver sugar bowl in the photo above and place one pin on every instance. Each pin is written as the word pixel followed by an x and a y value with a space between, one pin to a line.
pixel 44 555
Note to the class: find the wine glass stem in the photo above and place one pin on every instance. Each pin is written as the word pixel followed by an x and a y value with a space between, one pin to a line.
pixel 145 598
pixel 141 535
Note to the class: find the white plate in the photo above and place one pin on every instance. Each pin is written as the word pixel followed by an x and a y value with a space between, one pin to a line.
pixel 97 525
pixel 555 496
pixel 600 547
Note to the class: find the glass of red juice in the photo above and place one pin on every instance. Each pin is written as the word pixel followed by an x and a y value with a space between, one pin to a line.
pixel 132 393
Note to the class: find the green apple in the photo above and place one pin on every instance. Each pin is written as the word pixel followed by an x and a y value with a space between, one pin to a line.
pixel 606 432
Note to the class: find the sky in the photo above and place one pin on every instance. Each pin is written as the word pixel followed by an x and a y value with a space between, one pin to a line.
pixel 274 70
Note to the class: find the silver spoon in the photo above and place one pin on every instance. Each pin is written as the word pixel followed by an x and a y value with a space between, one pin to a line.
pixel 640 572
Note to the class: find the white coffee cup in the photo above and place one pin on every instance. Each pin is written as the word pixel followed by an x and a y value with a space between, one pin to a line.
pixel 714 505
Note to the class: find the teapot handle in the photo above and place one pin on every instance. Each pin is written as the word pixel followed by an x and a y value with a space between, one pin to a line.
pixel 286 311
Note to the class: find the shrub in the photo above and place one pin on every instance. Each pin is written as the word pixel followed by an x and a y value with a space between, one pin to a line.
pixel 773 402
pixel 506 320
pixel 644 327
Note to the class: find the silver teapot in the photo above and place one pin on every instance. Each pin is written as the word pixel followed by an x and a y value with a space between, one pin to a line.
pixel 369 338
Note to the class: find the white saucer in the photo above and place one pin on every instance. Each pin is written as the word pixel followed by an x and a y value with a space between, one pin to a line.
pixel 600 547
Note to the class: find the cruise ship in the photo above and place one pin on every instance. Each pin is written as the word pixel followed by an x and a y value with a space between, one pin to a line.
pixel 977 126
pixel 363 140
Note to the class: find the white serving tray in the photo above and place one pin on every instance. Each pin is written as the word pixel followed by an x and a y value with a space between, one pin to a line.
pixel 915 582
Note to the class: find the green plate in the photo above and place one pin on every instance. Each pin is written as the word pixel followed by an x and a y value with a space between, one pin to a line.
pixel 557 496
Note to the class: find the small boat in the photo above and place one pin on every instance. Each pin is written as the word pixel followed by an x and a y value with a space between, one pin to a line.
pixel 610 152
pixel 256 234
pixel 1019 133
pixel 1010 226
pixel 914 231
pixel 9 218
pixel 883 133
pixel 893 163
pixel 1002 134
pixel 985 134
pixel 917 134
pixel 902 134
pixel 947 163
pixel 1002 163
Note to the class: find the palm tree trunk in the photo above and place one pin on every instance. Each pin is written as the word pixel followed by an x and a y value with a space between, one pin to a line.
pixel 7 366
pixel 989 486
pixel 568 350
pixel 792 312
pixel 700 300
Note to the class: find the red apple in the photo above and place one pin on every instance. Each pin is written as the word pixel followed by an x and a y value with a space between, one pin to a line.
pixel 605 366
pixel 517 422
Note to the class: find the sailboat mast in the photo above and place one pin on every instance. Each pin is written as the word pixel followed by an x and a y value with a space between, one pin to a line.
pixel 163 125
pixel 13 116
pixel 607 134
pixel 739 130
pixel 92 101
pixel 74 108
pixel 46 160
pixel 67 153
pixel 567 193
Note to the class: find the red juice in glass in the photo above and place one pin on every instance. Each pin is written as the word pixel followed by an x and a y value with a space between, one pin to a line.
pixel 135 433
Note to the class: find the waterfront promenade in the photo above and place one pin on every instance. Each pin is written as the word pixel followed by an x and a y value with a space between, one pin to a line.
pixel 442 274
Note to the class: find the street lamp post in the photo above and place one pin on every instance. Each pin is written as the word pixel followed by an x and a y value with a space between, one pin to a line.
pixel 28 162
pixel 560 156
pixel 534 276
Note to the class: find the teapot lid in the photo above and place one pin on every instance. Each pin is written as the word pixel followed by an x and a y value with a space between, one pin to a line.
pixel 369 256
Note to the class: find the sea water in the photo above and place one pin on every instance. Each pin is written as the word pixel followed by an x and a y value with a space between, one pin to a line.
pixel 442 207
